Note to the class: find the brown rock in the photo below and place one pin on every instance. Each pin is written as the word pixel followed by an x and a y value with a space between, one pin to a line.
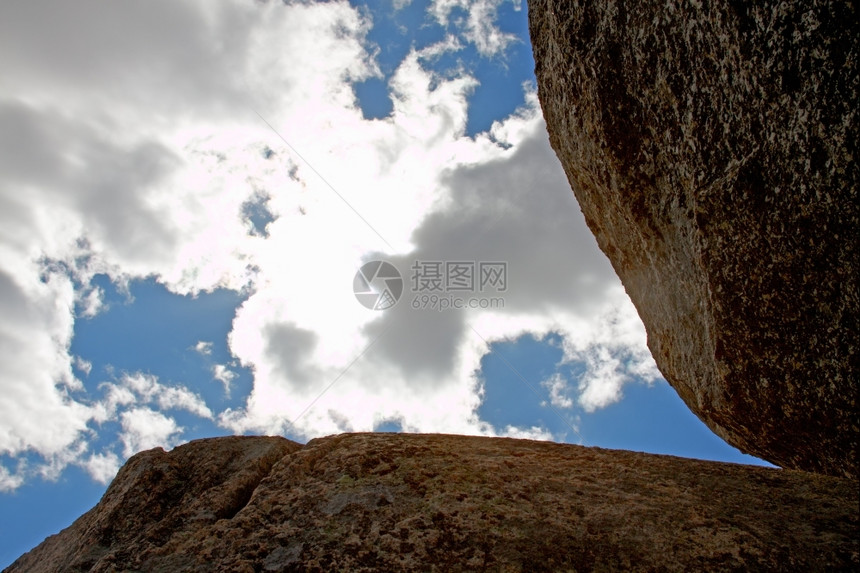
pixel 398 502
pixel 712 147
pixel 158 499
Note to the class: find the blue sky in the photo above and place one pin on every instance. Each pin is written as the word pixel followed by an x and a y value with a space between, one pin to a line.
pixel 184 213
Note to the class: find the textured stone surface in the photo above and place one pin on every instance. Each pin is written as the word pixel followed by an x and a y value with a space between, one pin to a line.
pixel 389 502
pixel 157 500
pixel 712 147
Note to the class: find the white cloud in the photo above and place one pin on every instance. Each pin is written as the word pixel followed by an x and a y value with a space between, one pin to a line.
pixel 53 466
pixel 138 159
pixel 90 302
pixel 533 433
pixel 224 375
pixel 84 366
pixel 104 151
pixel 418 366
pixel 102 467
pixel 614 351
pixel 204 348
pixel 116 396
pixel 150 391
pixel 480 25
pixel 557 386
pixel 34 336
pixel 140 388
pixel 9 481
pixel 601 385
pixel 143 429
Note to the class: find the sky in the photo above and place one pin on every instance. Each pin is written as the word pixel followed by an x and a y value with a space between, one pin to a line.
pixel 298 219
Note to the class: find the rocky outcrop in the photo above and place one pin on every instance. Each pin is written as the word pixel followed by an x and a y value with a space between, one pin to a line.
pixel 398 502
pixel 712 147
pixel 157 500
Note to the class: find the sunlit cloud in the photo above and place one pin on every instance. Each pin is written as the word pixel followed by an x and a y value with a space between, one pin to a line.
pixel 102 467
pixel 144 428
pixel 204 348
pixel 212 149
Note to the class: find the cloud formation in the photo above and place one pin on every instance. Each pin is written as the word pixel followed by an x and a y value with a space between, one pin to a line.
pixel 479 25
pixel 207 146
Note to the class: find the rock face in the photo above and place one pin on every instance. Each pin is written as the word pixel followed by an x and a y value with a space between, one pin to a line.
pixel 157 500
pixel 395 502
pixel 712 147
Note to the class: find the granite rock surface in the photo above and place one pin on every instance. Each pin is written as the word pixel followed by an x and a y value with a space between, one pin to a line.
pixel 712 147
pixel 401 502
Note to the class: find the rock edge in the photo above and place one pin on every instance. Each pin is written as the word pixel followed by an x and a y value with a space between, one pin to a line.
pixel 374 502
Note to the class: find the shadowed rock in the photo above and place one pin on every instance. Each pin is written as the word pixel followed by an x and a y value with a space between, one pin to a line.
pixel 398 502
pixel 712 147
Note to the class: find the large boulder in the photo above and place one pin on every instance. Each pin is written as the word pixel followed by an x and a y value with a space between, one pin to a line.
pixel 397 502
pixel 712 147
